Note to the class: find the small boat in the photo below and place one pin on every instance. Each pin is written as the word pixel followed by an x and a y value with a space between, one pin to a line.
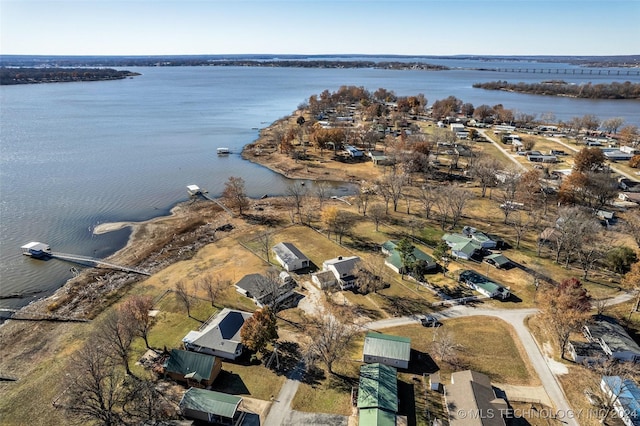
pixel 223 151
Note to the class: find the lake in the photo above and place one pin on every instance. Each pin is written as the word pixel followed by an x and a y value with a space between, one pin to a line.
pixel 74 155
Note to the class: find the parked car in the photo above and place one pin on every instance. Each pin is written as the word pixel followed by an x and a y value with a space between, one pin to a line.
pixel 430 321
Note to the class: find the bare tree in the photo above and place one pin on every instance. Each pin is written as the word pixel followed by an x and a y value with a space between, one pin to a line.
pixel 428 194
pixel 116 333
pixel 509 188
pixel 184 296
pixel 522 222
pixel 613 376
pixel 235 195
pixel 392 185
pixel 458 198
pixel 136 310
pixel 329 339
pixel 264 239
pixel 377 213
pixel 96 389
pixel 368 277
pixel 484 170
pixel 146 403
pixel 295 193
pixel 445 347
pixel 321 190
pixel 213 287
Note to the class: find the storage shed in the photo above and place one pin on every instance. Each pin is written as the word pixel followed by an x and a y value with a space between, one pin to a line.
pixel 394 351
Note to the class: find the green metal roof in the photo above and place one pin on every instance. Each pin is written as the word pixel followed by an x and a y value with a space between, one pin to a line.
pixel 387 346
pixel 378 387
pixel 500 259
pixel 187 362
pixel 211 402
pixel 395 260
pixel 375 417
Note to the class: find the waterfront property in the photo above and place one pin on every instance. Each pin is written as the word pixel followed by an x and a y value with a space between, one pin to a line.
pixel 394 351
pixel 462 246
pixel 220 336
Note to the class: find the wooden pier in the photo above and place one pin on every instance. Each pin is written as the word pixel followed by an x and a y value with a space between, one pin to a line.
pixel 195 191
pixel 84 260
pixel 39 250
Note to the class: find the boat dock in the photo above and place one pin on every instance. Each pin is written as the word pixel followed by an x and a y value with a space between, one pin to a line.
pixel 39 250
pixel 195 190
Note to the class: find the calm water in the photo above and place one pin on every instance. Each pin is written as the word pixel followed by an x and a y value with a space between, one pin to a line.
pixel 78 154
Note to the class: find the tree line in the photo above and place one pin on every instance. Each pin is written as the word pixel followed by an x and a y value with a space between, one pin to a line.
pixel 10 76
pixel 613 90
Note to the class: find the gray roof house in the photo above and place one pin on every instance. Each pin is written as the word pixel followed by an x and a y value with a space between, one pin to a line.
pixel 265 291
pixel 343 270
pixel 212 407
pixel 289 257
pixel 612 338
pixel 220 336
pixel 471 392
pixel 394 351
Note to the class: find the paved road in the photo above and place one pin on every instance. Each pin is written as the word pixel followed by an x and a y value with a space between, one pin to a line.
pixel 281 407
pixel 516 318
pixel 615 169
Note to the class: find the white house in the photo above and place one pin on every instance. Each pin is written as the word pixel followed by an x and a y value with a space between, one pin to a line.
pixel 343 270
pixel 289 257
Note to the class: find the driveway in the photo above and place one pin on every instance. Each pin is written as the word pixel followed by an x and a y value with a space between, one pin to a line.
pixel 516 318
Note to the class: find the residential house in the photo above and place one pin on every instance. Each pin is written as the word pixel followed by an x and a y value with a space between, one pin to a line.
pixel 483 285
pixel 220 336
pixel 462 246
pixel 192 368
pixel 471 393
pixel 394 351
pixel 481 238
pixel 212 407
pixel 617 155
pixel 265 291
pixel 394 261
pixel 584 352
pixel 323 279
pixel 612 338
pixel 342 269
pixel 289 257
pixel 353 151
pixel 625 395
pixel 377 395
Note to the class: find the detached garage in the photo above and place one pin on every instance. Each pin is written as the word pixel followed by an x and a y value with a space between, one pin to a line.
pixel 394 351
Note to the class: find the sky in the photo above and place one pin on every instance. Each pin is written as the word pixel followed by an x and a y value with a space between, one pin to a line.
pixel 373 27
